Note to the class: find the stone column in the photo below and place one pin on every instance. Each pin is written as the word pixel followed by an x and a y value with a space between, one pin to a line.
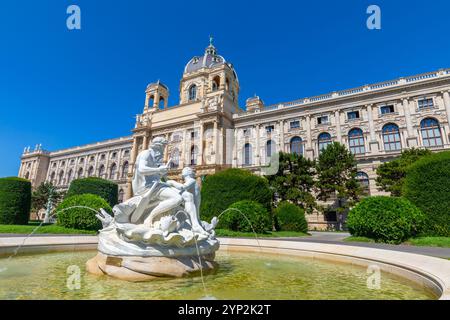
pixel 145 143
pixel 133 156
pixel 200 145
pixel 215 141
pixel 281 133
pixel 166 150
pixel 183 150
pixel 337 117
pixel 446 97
pixel 410 139
pixel 235 147
pixel 373 143
pixel 309 148
pixel 258 151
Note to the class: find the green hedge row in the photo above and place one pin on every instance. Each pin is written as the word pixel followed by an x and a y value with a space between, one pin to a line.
pixel 427 185
pixel 108 190
pixel 15 200
pixel 290 217
pixel 246 216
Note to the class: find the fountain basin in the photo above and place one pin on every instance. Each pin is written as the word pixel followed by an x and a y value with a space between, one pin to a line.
pixel 268 264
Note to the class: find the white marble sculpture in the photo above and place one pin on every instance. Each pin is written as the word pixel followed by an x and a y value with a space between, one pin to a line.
pixel 159 228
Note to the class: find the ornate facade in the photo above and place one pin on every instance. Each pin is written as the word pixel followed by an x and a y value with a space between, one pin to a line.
pixel 208 129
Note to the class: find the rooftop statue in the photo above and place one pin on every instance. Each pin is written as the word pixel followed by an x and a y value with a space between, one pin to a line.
pixel 158 232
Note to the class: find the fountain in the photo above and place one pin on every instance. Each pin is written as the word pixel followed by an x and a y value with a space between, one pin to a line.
pixel 158 232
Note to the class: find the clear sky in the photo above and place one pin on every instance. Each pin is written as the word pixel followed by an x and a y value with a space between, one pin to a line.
pixel 63 88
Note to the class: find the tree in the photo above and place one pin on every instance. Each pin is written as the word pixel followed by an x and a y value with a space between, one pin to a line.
pixel 294 181
pixel 45 196
pixel 336 175
pixel 391 175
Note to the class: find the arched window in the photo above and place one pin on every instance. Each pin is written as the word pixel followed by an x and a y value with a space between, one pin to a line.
pixel 175 158
pixel 194 154
pixel 101 171
pixel 270 149
pixel 324 140
pixel 125 169
pixel 247 154
pixel 80 173
pixel 296 146
pixel 161 103
pixel 61 177
pixel 363 180
pixel 215 83
pixel 69 176
pixel 193 93
pixel 391 137
pixel 227 85
pixel 113 171
pixel 90 171
pixel 151 101
pixel 356 141
pixel 431 133
pixel 27 175
pixel 121 195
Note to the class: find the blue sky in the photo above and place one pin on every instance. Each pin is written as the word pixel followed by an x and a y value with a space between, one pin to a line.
pixel 63 88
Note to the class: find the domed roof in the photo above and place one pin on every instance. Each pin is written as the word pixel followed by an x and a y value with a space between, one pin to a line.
pixel 210 59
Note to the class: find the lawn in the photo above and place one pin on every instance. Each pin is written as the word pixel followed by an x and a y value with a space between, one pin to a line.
pixel 50 229
pixel 271 234
pixel 443 242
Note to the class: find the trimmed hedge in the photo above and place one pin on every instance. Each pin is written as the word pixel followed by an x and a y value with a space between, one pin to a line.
pixel 81 218
pixel 227 187
pixel 385 219
pixel 15 200
pixel 290 217
pixel 427 185
pixel 108 190
pixel 246 216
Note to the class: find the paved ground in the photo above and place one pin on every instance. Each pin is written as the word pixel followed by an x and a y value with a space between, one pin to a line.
pixel 317 237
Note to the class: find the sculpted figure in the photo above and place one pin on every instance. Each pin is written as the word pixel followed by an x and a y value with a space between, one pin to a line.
pixel 190 193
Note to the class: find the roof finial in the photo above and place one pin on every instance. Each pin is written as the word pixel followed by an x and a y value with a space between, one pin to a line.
pixel 211 39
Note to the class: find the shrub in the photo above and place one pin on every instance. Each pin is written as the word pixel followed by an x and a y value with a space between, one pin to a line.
pixel 224 188
pixel 290 217
pixel 106 189
pixel 246 216
pixel 427 185
pixel 15 200
pixel 81 218
pixel 385 219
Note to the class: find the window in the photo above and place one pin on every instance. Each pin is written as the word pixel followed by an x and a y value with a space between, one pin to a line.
pixel 296 146
pixel 246 132
pixel 54 165
pixel 270 149
pixel 391 137
pixel 151 101
pixel 247 154
pixel 121 195
pixel 126 153
pixel 193 93
pixel 102 157
pixel 431 133
pixel 92 159
pixel 270 129
pixel 27 175
pixel 81 160
pixel 63 164
pixel 322 120
pixel 425 103
pixel 194 154
pixel 80 173
pixel 175 158
pixel 194 134
pixel 161 103
pixel 69 176
pixel 125 169
pixel 114 155
pixel 113 171
pixel 324 140
pixel 90 171
pixel 61 178
pixel 363 180
pixel 52 177
pixel 387 109
pixel 352 115
pixel 294 124
pixel 216 83
pixel 101 171
pixel 356 141
pixel 72 161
